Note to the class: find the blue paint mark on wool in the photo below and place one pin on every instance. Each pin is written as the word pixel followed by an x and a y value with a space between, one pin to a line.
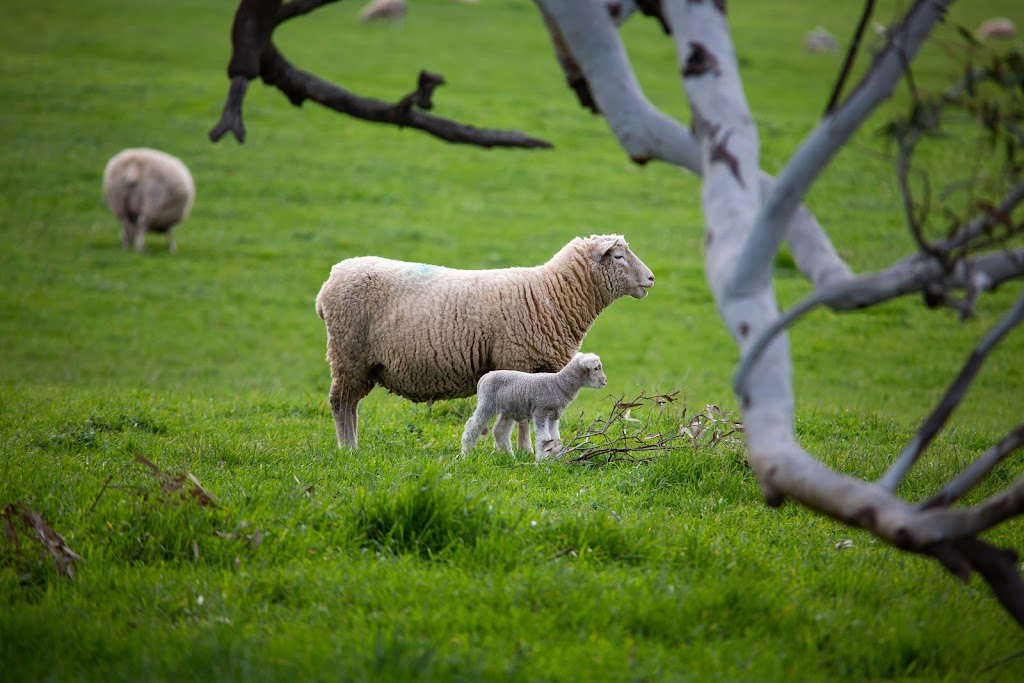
pixel 426 269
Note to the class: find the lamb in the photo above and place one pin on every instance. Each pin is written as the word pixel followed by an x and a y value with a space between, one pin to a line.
pixel 428 333
pixel 148 191
pixel 540 396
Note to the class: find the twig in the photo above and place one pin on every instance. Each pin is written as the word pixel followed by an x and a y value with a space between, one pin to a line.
pixel 620 436
pixel 106 483
pixel 1001 661
pixel 851 54
pixel 176 484
pixel 63 556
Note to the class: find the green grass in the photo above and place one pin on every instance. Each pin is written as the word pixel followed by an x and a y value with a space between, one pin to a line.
pixel 402 561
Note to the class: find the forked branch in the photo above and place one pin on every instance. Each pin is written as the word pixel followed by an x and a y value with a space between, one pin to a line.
pixel 253 54
pixel 919 273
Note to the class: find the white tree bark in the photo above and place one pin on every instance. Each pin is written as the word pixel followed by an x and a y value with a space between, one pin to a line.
pixel 888 68
pixel 747 216
pixel 588 43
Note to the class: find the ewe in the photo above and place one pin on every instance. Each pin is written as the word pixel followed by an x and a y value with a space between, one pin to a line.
pixel 148 191
pixel 428 333
pixel 540 396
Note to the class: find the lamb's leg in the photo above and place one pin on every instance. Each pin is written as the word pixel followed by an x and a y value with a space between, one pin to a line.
pixel 548 438
pixel 503 434
pixel 523 437
pixel 556 438
pixel 344 404
pixel 171 246
pixel 476 426
pixel 541 435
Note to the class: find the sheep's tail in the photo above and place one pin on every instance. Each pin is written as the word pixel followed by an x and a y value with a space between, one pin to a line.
pixel 132 172
pixel 320 309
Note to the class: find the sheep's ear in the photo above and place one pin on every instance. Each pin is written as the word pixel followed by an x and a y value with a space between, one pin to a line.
pixel 601 246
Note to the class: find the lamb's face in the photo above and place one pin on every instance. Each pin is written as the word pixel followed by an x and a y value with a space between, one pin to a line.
pixel 626 274
pixel 591 364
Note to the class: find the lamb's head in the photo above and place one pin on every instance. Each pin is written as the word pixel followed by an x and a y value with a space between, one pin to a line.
pixel 589 364
pixel 618 267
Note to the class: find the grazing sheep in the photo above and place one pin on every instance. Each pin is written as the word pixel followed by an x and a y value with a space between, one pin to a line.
pixel 820 41
pixel 427 333
pixel 996 27
pixel 539 396
pixel 383 9
pixel 148 191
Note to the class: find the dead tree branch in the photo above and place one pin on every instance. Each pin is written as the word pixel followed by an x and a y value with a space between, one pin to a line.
pixel 253 54
pixel 177 484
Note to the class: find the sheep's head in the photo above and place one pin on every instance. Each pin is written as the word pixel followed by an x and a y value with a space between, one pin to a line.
pixel 590 365
pixel 620 269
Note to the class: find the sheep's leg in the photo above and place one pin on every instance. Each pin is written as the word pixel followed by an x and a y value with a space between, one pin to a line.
pixel 141 226
pixel 503 434
pixel 344 405
pixel 171 246
pixel 127 233
pixel 476 427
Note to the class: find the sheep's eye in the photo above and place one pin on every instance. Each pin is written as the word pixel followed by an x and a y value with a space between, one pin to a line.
pixel 620 256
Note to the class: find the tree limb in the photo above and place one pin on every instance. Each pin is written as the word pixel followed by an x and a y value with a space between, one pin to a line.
pixel 231 117
pixel 977 471
pixel 755 264
pixel 952 398
pixel 913 274
pixel 299 86
pixel 253 54
pixel 296 8
pixel 996 565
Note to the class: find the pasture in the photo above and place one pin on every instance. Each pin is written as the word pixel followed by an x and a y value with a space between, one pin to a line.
pixel 403 561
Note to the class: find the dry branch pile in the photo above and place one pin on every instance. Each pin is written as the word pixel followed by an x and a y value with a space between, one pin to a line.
pixel 634 430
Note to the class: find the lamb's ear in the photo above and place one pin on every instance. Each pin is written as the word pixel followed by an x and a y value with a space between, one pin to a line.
pixel 600 245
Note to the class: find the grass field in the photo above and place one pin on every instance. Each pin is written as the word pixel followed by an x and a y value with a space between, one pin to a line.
pixel 402 561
